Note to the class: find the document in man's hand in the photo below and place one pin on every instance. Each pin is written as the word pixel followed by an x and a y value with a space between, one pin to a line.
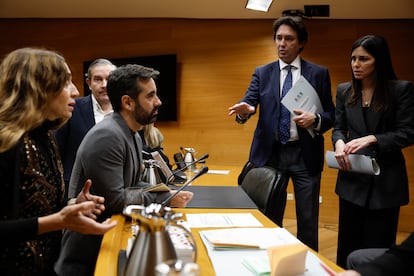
pixel 359 163
pixel 303 96
pixel 157 188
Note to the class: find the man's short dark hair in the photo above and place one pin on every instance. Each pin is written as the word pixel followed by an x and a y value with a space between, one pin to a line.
pixel 296 23
pixel 123 81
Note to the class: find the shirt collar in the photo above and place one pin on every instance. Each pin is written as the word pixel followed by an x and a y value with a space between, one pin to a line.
pixel 95 104
pixel 295 63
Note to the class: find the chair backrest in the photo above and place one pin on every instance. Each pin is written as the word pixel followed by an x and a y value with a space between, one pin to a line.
pixel 246 168
pixel 267 188
pixel 258 184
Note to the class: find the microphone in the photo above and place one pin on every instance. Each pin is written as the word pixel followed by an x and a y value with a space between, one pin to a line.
pixel 202 171
pixel 176 172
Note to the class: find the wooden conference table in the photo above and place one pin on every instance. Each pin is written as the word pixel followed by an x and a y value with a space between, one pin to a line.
pixel 116 239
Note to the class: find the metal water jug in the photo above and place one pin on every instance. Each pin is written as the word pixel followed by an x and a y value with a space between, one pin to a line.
pixel 189 158
pixel 152 244
pixel 151 172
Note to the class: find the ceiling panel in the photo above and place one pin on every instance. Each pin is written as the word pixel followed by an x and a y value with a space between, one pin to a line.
pixel 211 9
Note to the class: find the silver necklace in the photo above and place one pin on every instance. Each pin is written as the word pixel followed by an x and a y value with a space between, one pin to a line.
pixel 366 102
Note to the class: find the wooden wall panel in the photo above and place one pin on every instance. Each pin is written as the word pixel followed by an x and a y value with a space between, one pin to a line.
pixel 215 61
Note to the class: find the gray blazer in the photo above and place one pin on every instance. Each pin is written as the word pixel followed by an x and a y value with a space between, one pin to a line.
pixel 110 155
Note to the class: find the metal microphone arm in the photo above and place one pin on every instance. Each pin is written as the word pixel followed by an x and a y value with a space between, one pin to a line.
pixel 205 156
pixel 202 171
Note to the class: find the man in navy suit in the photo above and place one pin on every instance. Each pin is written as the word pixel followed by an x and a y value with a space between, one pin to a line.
pixel 297 154
pixel 89 110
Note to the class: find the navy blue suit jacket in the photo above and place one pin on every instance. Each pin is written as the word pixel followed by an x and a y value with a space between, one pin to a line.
pixel 264 89
pixel 72 133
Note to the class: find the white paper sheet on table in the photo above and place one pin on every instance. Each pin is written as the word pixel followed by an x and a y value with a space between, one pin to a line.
pixel 222 220
pixel 224 172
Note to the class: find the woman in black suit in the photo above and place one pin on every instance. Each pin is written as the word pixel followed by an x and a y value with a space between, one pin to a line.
pixel 374 116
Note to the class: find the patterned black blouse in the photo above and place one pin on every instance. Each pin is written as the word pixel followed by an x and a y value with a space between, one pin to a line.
pixel 32 186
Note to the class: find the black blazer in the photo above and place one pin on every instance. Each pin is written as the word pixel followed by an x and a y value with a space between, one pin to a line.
pixel 394 130
pixel 71 134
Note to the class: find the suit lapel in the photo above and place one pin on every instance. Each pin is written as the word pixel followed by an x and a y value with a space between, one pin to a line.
pixel 138 156
pixel 372 120
pixel 306 70
pixel 274 77
pixel 135 147
pixel 86 109
pixel 355 115
pixel 367 124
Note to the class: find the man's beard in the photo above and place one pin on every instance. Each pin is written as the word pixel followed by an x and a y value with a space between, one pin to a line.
pixel 144 118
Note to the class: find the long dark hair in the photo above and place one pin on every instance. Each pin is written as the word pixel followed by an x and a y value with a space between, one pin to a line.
pixel 376 46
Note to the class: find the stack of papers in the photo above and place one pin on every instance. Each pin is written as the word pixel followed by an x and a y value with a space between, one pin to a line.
pixel 222 220
pixel 247 238
pixel 247 261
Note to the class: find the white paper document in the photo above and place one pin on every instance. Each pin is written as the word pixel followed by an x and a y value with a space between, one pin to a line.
pixel 230 262
pixel 303 96
pixel 222 220
pixel 259 238
pixel 224 172
pixel 359 163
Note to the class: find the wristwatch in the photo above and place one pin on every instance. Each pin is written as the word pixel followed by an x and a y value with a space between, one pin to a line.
pixel 240 119
pixel 317 119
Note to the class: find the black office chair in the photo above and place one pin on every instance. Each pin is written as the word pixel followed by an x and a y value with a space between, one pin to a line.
pixel 264 186
pixel 246 168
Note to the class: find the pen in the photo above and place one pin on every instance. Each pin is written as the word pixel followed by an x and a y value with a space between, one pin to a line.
pixel 327 269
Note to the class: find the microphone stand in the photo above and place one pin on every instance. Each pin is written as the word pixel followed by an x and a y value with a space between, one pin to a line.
pixel 174 174
pixel 202 171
